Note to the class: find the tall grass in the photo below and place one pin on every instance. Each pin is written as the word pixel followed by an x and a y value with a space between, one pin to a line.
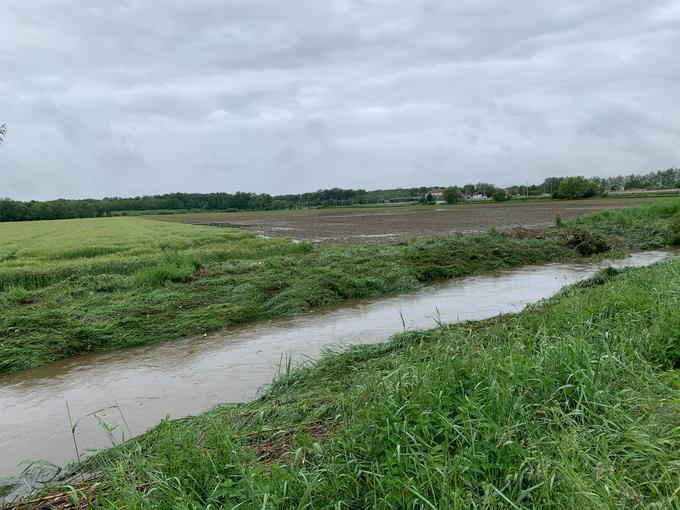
pixel 674 228
pixel 572 403
pixel 642 227
pixel 173 268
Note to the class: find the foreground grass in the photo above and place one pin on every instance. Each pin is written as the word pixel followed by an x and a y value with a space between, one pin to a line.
pixel 74 286
pixel 573 403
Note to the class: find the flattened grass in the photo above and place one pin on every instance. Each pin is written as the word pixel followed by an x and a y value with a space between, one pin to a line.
pixel 179 293
pixel 74 286
pixel 39 253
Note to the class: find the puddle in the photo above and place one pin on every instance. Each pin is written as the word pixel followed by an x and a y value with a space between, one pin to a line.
pixel 190 375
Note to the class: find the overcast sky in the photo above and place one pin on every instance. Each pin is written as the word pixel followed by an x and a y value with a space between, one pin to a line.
pixel 107 97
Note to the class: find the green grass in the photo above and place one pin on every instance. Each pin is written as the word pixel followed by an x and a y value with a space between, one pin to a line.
pixel 38 254
pixel 74 286
pixel 573 403
pixel 642 227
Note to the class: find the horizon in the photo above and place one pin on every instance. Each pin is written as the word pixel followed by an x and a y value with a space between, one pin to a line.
pixel 374 190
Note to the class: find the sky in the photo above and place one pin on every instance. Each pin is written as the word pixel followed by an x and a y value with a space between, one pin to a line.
pixel 124 98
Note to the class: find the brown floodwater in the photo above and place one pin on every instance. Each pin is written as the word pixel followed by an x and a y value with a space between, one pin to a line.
pixel 188 376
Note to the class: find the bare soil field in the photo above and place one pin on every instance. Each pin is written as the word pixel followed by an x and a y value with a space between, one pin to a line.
pixel 393 224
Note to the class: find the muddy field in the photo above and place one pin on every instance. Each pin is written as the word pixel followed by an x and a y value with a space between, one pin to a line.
pixel 385 224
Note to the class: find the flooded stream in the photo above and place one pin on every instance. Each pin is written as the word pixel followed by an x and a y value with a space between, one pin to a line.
pixel 187 376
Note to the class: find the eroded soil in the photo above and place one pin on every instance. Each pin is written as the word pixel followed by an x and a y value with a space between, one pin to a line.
pixel 394 224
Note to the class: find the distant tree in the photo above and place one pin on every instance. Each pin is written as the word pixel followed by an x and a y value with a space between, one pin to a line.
pixel 551 185
pixel 576 187
pixel 452 194
pixel 3 132
pixel 430 198
pixel 635 182
pixel 615 183
pixel 485 188
pixel 500 195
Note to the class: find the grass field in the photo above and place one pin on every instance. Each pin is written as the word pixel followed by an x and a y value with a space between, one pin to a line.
pixel 573 403
pixel 76 286
pixel 36 254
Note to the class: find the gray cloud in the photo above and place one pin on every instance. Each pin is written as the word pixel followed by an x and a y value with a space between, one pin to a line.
pixel 128 97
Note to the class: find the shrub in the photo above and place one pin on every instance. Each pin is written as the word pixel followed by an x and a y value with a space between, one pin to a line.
pixel 575 187
pixel 452 194
pixel 499 195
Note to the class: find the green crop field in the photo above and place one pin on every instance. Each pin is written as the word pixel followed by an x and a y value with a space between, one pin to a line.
pixel 74 286
pixel 34 254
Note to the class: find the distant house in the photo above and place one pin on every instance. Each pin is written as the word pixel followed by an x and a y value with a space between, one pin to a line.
pixel 437 193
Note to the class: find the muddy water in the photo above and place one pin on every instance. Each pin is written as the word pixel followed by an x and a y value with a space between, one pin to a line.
pixel 185 377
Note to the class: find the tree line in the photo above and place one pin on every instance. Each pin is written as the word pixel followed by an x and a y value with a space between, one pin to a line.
pixel 661 179
pixel 557 187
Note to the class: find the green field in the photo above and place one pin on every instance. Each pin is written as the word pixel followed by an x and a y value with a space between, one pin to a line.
pixel 573 403
pixel 36 254
pixel 74 286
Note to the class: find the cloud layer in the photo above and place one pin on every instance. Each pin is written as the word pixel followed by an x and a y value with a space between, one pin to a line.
pixel 133 97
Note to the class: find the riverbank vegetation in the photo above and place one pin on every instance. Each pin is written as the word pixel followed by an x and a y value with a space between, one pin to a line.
pixel 84 285
pixel 572 403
